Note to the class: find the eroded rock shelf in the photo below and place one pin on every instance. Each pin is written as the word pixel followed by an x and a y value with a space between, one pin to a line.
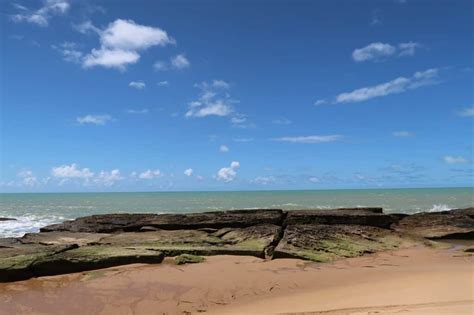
pixel 101 241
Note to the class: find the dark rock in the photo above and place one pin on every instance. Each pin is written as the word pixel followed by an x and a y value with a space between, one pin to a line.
pixel 17 259
pixel 250 241
pixel 110 223
pixel 455 224
pixel 93 257
pixel 351 216
pixel 106 223
pixel 62 238
pixel 7 219
pixel 323 243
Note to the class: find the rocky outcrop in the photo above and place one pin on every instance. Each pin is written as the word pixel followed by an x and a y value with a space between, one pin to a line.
pixel 111 223
pixel 319 235
pixel 454 224
pixel 349 216
pixel 323 243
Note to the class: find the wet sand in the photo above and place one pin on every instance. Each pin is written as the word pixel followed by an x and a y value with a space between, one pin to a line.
pixel 409 281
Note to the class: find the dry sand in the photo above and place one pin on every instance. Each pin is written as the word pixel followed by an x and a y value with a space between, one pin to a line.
pixel 410 281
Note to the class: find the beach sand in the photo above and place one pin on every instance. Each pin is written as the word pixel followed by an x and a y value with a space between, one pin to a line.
pixel 417 280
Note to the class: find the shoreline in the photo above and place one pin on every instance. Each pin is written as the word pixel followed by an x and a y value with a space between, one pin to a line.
pixel 415 280
pixel 262 261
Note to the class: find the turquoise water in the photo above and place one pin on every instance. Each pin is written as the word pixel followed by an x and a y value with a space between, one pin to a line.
pixel 33 211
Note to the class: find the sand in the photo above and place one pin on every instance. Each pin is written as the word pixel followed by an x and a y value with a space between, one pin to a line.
pixel 410 281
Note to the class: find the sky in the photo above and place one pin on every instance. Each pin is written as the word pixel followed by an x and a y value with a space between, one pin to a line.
pixel 235 95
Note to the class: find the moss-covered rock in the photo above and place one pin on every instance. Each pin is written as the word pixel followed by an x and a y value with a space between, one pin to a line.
pixel 323 243
pixel 188 259
pixel 93 257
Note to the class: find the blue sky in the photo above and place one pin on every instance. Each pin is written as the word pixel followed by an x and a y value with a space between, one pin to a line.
pixel 231 95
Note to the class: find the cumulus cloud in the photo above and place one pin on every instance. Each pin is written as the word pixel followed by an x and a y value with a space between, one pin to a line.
pixel 27 178
pixel 180 62
pixel 377 51
pixel 228 174
pixel 99 120
pixel 110 58
pixel 402 133
pixel 314 179
pixel 310 139
pixel 211 102
pixel 121 42
pixel 188 172
pixel 139 85
pixel 163 83
pixel 398 85
pixel 449 159
pixel 466 112
pixel 150 174
pixel 107 178
pixel 71 171
pixel 223 149
pixel 41 16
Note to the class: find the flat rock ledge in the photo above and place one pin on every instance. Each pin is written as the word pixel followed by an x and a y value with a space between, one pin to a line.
pixel 101 241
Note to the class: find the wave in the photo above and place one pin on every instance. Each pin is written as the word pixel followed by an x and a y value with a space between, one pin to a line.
pixel 440 207
pixel 27 224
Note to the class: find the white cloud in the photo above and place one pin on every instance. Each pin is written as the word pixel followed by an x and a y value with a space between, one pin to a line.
pixel 69 52
pixel 94 119
pixel 210 103
pixel 180 62
pixel 455 159
pixel 137 111
pixel 160 66
pixel 310 139
pixel 188 172
pixel 27 178
pixel 127 35
pixel 402 133
pixel 107 178
pixel 163 83
pixel 86 27
pixel 377 51
pixel 320 102
pixel 407 49
pixel 223 149
pixel 121 41
pixel 228 174
pixel 314 179
pixel 220 84
pixel 466 112
pixel 110 58
pixel 41 16
pixel 397 85
pixel 150 174
pixel 373 51
pixel 71 171
pixel 139 85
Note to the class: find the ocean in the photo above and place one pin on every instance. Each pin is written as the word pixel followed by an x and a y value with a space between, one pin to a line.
pixel 33 211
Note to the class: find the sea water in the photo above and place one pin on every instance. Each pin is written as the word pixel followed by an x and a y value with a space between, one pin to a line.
pixel 33 211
